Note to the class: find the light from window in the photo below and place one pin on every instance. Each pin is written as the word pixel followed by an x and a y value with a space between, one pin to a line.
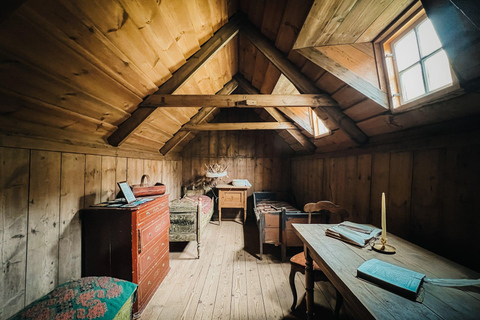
pixel 421 64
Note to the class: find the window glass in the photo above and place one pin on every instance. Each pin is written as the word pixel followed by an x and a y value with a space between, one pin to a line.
pixel 437 71
pixel 411 82
pixel 416 63
pixel 406 51
pixel 427 38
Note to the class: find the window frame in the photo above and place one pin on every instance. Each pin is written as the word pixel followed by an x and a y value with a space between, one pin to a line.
pixel 392 76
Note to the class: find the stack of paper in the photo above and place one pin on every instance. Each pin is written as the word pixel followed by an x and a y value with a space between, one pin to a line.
pixel 354 233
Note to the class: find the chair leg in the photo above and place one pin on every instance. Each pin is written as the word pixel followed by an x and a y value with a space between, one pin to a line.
pixel 293 271
pixel 338 304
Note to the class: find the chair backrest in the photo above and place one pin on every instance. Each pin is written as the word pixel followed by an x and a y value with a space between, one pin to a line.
pixel 328 206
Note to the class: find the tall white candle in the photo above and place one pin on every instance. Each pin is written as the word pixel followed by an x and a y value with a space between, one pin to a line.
pixel 384 218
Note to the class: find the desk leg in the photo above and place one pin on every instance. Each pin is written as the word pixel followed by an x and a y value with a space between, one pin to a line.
pixel 219 207
pixel 309 284
pixel 244 206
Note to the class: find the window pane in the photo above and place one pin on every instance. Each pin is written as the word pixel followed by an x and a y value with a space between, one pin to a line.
pixel 411 82
pixel 427 37
pixel 438 71
pixel 406 51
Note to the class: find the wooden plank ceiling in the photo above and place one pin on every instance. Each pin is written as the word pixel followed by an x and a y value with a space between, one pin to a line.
pixel 72 71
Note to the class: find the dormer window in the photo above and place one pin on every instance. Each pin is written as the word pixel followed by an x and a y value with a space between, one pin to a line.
pixel 417 65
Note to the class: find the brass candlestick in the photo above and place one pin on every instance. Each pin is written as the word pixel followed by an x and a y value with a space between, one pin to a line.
pixel 383 247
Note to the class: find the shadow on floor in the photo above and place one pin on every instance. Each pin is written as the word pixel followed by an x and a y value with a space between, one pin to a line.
pixel 252 247
pixel 252 243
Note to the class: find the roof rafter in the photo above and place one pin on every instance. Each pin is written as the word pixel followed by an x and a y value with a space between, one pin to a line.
pixel 303 83
pixel 278 116
pixel 349 77
pixel 207 51
pixel 199 118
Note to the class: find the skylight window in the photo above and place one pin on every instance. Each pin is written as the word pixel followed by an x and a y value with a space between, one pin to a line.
pixel 416 63
pixel 319 128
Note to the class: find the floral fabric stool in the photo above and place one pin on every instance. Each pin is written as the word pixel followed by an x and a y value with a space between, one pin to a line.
pixel 86 298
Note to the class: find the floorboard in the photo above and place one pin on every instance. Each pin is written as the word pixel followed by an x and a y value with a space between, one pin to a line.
pixel 230 282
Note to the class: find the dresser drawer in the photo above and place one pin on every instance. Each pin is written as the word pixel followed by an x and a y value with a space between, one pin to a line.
pixel 152 279
pixel 233 199
pixel 272 220
pixel 153 254
pixel 156 207
pixel 151 232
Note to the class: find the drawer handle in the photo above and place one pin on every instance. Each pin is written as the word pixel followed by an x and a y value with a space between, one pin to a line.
pixel 148 258
pixel 149 282
pixel 139 241
pixel 148 213
pixel 157 227
pixel 149 234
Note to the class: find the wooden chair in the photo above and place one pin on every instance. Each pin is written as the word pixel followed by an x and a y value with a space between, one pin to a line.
pixel 298 261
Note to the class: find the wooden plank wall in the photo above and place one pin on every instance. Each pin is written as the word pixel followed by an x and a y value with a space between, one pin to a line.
pixel 262 157
pixel 41 193
pixel 432 195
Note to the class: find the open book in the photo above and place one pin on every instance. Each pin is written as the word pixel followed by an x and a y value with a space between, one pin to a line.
pixel 354 233
pixel 402 281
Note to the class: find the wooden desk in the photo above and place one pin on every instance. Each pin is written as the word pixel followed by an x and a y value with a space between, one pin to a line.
pixel 232 197
pixel 339 261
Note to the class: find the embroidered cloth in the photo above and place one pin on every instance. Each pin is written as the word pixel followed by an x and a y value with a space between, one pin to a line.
pixel 86 298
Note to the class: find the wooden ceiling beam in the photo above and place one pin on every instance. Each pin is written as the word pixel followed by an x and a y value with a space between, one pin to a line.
pixel 239 100
pixel 240 126
pixel 303 83
pixel 277 115
pixel 179 77
pixel 198 118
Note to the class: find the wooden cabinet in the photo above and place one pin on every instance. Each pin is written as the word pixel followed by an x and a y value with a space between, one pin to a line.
pixel 232 197
pixel 129 244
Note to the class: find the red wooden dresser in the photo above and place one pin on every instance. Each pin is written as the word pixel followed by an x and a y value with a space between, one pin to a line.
pixel 129 244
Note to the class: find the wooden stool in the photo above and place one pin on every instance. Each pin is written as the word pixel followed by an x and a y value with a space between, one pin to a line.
pixel 298 261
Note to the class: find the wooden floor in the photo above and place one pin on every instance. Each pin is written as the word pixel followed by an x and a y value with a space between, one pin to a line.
pixel 229 282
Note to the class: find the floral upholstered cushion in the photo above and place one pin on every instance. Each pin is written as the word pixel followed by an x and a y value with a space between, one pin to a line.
pixel 86 298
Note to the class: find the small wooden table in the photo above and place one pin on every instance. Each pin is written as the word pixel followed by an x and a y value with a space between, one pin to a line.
pixel 340 260
pixel 232 197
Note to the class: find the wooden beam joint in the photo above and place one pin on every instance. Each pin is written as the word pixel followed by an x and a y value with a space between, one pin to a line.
pixel 185 72
pixel 303 83
pixel 200 117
